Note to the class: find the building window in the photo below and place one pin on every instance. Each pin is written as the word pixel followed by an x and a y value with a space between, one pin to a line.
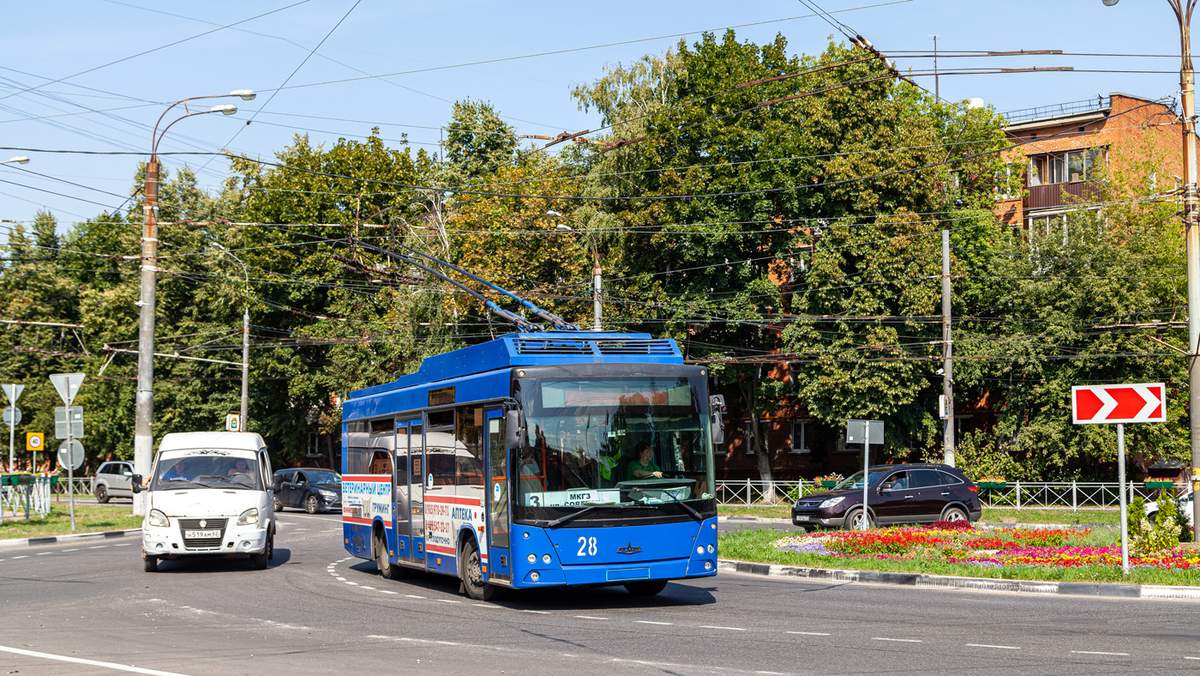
pixel 1066 167
pixel 1008 181
pixel 801 430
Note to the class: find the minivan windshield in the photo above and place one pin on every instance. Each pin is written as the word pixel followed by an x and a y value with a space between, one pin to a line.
pixel 208 468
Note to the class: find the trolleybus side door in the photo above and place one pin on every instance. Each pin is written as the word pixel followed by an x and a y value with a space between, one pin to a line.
pixel 402 509
pixel 416 488
pixel 499 568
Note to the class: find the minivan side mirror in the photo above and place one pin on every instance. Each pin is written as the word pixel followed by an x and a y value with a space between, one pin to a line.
pixel 276 484
pixel 135 483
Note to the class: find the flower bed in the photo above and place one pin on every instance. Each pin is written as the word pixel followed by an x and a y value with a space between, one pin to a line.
pixel 961 543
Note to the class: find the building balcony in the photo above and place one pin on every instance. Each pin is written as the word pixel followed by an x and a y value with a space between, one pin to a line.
pixel 1056 194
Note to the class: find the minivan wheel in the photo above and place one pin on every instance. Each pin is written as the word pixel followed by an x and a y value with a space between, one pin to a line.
pixel 312 505
pixel 954 514
pixel 278 505
pixel 855 518
pixel 259 561
pixel 101 494
pixel 149 563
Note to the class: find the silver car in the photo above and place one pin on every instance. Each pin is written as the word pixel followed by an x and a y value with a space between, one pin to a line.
pixel 1185 503
pixel 112 480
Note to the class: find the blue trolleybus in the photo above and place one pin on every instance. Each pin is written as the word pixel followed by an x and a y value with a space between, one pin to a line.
pixel 535 460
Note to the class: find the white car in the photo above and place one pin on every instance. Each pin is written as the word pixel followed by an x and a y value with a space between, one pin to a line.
pixel 209 493
pixel 1186 502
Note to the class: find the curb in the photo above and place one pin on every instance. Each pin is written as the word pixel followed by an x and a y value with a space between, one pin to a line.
pixel 51 539
pixel 973 583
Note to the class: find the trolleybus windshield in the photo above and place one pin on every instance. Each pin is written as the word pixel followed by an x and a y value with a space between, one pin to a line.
pixel 612 442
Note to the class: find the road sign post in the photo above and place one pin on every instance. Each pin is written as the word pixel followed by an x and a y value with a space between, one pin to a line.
pixel 67 385
pixel 862 431
pixel 1119 404
pixel 13 392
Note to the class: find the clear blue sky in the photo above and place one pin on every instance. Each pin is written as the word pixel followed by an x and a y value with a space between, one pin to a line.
pixel 49 40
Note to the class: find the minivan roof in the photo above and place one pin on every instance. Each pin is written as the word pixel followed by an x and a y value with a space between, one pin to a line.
pixel 241 441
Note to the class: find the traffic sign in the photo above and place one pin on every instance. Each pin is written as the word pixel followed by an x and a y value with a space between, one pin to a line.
pixel 61 415
pixel 35 441
pixel 12 416
pixel 1129 403
pixel 856 431
pixel 13 392
pixel 76 458
pixel 233 423
pixel 67 385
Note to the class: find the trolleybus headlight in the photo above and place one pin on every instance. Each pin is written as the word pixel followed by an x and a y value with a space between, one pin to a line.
pixel 700 549
pixel 532 558
pixel 546 558
pixel 708 565
pixel 710 549
pixel 535 576
pixel 248 517
pixel 158 519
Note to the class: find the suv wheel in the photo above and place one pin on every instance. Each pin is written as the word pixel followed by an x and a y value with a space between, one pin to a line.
pixel 855 518
pixel 954 514
pixel 101 494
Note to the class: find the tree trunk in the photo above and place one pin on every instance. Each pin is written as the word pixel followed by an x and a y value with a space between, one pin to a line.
pixel 761 453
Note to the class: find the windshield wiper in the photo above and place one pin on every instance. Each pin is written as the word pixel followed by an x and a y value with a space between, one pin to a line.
pixel 563 519
pixel 698 515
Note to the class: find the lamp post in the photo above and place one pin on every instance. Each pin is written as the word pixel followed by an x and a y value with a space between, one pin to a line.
pixel 143 435
pixel 245 336
pixel 1191 210
pixel 597 311
pixel 20 159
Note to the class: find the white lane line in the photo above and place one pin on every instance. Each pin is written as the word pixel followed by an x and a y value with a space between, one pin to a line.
pixel 70 550
pixel 351 583
pixel 366 587
pixel 127 544
pixel 896 640
pixel 340 579
pixel 650 622
pixel 384 591
pixel 299 530
pixel 448 601
pixel 1191 658
pixel 23 556
pixel 809 633
pixel 414 596
pixel 537 612
pixel 98 547
pixel 91 663
pixel 709 626
pixel 1093 652
pixel 44 554
pixel 589 617
pixel 997 647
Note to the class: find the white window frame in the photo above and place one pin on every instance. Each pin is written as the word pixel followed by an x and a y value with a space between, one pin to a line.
pixel 804 425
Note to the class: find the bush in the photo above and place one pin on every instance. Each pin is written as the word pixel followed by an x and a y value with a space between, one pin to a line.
pixel 1186 533
pixel 1162 535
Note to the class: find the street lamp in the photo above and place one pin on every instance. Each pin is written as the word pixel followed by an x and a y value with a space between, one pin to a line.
pixel 245 336
pixel 1191 210
pixel 597 311
pixel 19 159
pixel 143 434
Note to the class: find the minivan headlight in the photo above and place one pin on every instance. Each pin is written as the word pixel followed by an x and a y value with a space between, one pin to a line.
pixel 158 519
pixel 826 504
pixel 248 517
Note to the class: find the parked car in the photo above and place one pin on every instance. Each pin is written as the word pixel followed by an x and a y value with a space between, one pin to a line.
pixel 112 481
pixel 897 494
pixel 309 488
pixel 1185 502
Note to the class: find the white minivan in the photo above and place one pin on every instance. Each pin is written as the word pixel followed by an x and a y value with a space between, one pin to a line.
pixel 209 493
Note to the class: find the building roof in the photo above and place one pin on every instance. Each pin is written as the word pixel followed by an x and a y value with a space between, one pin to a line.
pixel 1072 112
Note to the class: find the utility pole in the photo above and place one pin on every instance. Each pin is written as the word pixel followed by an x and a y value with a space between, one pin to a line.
pixel 596 310
pixel 947 355
pixel 1191 208
pixel 937 88
pixel 143 435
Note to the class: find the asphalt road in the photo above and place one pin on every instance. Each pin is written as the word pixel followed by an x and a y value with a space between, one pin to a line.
pixel 315 611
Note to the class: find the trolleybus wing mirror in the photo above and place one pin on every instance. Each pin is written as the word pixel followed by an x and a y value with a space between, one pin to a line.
pixel 717 406
pixel 514 429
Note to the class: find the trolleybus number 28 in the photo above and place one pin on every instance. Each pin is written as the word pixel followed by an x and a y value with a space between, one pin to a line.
pixel 587 546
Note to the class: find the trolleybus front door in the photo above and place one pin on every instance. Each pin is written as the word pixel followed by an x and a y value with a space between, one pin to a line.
pixel 416 488
pixel 499 560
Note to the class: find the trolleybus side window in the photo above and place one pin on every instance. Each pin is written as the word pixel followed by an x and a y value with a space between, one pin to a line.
pixel 358 451
pixel 469 448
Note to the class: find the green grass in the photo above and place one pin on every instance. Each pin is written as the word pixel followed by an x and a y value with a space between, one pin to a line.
pixel 755 545
pixel 1090 517
pixel 88 519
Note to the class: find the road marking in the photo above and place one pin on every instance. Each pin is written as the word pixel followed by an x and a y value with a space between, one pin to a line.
pixel 485 605
pixel 897 640
pixel 1091 652
pixel 537 612
pixel 340 579
pixel 300 530
pixel 23 556
pixel 809 633
pixel 98 547
pixel 997 647
pixel 352 583
pixel 708 626
pixel 1191 658
pixel 589 617
pixel 366 587
pixel 448 601
pixel 91 663
pixel 649 622
pixel 384 591
pixel 70 550
pixel 127 544
pixel 414 596
pixel 44 554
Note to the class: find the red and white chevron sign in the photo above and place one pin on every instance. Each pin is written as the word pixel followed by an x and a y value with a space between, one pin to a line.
pixel 1105 404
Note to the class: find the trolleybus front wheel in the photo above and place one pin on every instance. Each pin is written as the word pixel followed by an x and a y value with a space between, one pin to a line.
pixel 646 587
pixel 472 573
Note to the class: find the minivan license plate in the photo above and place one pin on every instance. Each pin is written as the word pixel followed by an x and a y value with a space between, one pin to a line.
pixel 201 534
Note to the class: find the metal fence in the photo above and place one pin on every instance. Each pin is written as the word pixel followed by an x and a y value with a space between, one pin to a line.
pixel 1017 494
pixel 83 485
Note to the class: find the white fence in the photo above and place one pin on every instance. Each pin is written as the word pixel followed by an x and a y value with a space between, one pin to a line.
pixel 1017 494
pixel 83 485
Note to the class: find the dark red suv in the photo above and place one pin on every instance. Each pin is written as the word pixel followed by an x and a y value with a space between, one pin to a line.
pixel 897 494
